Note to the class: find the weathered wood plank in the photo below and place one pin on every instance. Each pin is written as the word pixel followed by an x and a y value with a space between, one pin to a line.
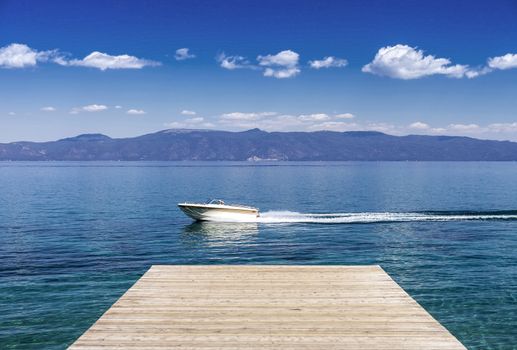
pixel 266 307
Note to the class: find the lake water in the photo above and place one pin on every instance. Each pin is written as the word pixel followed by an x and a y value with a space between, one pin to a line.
pixel 75 236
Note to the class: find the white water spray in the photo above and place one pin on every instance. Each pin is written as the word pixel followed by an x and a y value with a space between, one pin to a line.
pixel 272 217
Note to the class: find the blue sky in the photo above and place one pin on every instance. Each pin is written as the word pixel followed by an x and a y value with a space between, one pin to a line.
pixel 406 67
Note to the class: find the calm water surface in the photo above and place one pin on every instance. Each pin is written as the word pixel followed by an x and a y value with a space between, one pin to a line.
pixel 75 236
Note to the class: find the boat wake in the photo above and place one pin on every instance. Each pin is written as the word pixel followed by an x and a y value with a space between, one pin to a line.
pixel 271 217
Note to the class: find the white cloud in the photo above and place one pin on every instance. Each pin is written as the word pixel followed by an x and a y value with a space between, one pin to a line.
pixel 239 116
pixel 491 131
pixel 187 112
pixel 424 127
pixel 175 125
pixel 21 56
pixel 381 127
pixel 282 65
pixel 497 131
pixel 196 122
pixel 17 56
pixel 11 113
pixel 286 58
pixel 503 127
pixel 94 108
pixel 103 61
pixel 328 62
pixel 273 121
pixel 48 109
pixel 344 116
pixel 507 61
pixel 463 127
pixel 314 117
pixel 135 111
pixel 333 126
pixel 281 73
pixel 504 62
pixel 89 108
pixel 419 126
pixel 233 62
pixel 405 62
pixel 476 72
pixel 183 54
pixel 118 107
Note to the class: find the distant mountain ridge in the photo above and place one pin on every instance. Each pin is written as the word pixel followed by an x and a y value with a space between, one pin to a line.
pixel 256 145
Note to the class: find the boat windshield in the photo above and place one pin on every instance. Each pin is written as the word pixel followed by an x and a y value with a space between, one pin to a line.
pixel 215 201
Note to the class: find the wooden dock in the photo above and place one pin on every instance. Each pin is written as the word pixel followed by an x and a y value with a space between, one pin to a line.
pixel 266 307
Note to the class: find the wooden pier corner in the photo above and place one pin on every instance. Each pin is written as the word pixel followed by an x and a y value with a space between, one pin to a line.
pixel 266 307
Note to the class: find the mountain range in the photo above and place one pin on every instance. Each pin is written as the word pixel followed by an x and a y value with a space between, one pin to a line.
pixel 256 145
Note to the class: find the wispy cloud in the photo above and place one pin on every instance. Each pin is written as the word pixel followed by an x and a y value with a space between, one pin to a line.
pixel 503 127
pixel 493 130
pixel 247 116
pixel 183 54
pixel 136 111
pixel 463 127
pixel 344 116
pixel 187 112
pixel 233 62
pixel 270 121
pixel 48 109
pixel 274 121
pixel 332 126
pixel 314 117
pixel 322 121
pixel 190 123
pixel 477 72
pixel 328 62
pixel 89 108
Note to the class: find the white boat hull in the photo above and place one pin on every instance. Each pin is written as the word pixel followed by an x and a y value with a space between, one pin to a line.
pixel 210 212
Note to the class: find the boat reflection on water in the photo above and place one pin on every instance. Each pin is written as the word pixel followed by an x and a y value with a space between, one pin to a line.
pixel 220 233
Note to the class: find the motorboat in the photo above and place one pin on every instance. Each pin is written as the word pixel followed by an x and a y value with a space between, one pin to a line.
pixel 217 210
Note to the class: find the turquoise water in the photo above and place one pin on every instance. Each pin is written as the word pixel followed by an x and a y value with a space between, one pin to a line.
pixel 75 236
